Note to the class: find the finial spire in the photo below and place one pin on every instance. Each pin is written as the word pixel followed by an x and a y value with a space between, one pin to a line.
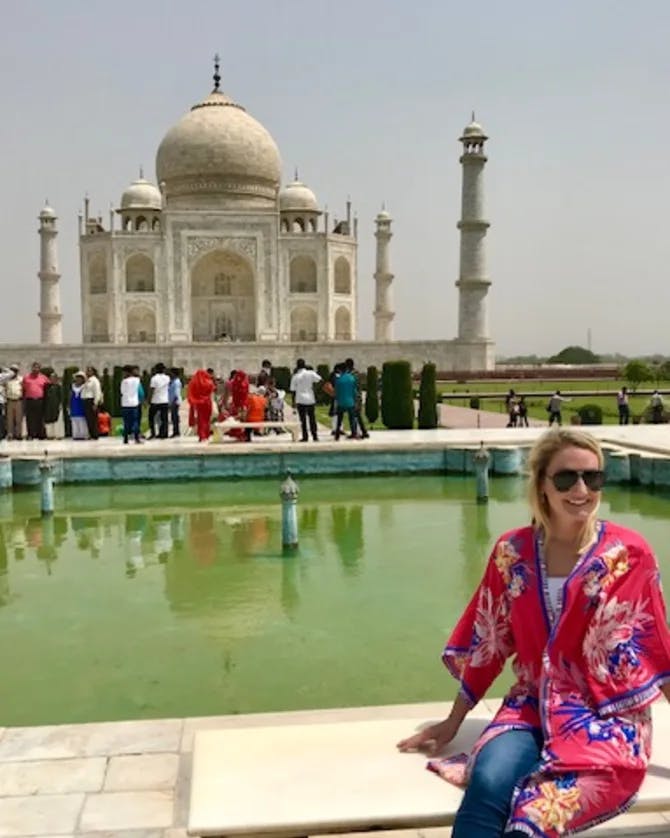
pixel 217 76
pixel 295 174
pixel 141 172
pixel 473 116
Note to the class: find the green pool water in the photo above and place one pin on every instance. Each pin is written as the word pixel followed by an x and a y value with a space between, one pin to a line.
pixel 139 601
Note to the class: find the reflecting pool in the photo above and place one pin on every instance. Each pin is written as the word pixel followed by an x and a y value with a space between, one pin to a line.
pixel 143 601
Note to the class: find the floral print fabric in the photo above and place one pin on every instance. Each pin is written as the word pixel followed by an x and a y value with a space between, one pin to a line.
pixel 585 676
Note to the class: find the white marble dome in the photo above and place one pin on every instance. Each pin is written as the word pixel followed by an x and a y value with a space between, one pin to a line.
pixel 48 212
pixel 296 197
pixel 474 131
pixel 218 153
pixel 141 194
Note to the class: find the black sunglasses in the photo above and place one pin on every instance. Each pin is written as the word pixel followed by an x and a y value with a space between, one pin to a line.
pixel 564 480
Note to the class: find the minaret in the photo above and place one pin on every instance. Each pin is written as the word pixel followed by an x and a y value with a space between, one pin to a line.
pixel 50 314
pixel 473 283
pixel 383 278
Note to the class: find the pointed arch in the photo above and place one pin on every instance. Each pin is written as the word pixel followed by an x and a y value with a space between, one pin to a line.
pixel 303 324
pixel 97 274
pixel 342 276
pixel 140 274
pixel 302 275
pixel 342 324
pixel 223 297
pixel 141 325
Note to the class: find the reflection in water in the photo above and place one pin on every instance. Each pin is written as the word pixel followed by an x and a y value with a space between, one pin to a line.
pixel 347 535
pixel 187 606
pixel 4 575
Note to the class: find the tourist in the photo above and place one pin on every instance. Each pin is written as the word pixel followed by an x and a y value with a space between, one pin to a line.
pixel 77 409
pixel 265 373
pixel 199 395
pixel 53 400
pixel 622 406
pixel 329 389
pixel 255 410
pixel 523 412
pixel 656 403
pixel 131 401
pixel 5 375
pixel 104 420
pixel 34 385
pixel 92 398
pixel 578 602
pixel 302 390
pixel 345 396
pixel 276 405
pixel 14 405
pixel 238 401
pixel 159 387
pixel 174 400
pixel 361 430
pixel 554 408
pixel 511 408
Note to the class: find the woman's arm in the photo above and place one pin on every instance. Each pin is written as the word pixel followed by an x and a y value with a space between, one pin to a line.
pixel 434 738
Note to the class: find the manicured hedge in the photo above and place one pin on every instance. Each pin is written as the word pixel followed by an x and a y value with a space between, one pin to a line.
pixel 282 377
pixel 590 414
pixel 397 395
pixel 372 395
pixel 428 398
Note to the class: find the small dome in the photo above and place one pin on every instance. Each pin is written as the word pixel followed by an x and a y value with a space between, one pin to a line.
pixel 473 131
pixel 141 195
pixel 382 215
pixel 296 197
pixel 48 212
pixel 218 153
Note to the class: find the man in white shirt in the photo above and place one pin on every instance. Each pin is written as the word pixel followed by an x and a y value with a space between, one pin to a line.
pixel 91 396
pixel 302 388
pixel 130 404
pixel 159 387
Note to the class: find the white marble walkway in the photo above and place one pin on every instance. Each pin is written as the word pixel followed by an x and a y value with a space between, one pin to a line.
pixel 132 779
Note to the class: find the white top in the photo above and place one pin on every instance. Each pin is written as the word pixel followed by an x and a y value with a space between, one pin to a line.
pixel 160 383
pixel 555 588
pixel 91 389
pixel 302 384
pixel 130 391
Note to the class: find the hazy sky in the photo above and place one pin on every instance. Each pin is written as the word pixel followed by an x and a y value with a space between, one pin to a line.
pixel 368 98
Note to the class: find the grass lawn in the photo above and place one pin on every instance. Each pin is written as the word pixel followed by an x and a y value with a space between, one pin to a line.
pixel 537 405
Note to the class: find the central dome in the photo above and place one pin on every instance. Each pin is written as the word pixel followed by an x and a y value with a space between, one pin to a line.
pixel 218 155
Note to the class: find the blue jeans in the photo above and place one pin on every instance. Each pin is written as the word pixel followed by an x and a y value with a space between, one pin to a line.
pixel 499 766
pixel 131 426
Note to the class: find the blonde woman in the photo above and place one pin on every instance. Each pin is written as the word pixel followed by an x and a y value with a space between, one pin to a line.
pixel 578 602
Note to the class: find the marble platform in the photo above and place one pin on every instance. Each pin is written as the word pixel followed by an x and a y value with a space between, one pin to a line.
pixel 133 779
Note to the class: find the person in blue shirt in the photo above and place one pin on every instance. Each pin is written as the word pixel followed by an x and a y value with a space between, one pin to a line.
pixel 345 398
pixel 174 399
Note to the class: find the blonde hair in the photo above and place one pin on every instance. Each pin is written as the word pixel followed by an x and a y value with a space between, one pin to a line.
pixel 541 454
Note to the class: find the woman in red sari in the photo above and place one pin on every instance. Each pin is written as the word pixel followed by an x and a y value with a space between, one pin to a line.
pixel 199 395
pixel 578 602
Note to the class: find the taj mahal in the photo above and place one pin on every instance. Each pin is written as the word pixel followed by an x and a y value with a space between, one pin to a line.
pixel 218 260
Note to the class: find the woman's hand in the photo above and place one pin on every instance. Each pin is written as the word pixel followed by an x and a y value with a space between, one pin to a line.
pixel 431 740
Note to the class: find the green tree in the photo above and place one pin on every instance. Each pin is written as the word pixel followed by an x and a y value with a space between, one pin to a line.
pixel 428 398
pixel 397 395
pixel 574 355
pixel 372 395
pixel 635 372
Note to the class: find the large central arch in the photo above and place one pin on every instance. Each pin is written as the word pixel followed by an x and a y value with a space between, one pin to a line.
pixel 223 298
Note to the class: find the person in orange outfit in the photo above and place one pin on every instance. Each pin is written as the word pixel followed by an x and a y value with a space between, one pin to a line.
pixel 199 395
pixel 104 421
pixel 256 407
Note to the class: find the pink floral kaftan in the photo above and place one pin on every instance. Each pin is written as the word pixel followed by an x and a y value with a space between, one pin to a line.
pixel 585 676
